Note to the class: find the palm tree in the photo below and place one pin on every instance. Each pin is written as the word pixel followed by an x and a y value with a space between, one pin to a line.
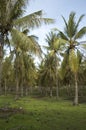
pixel 50 69
pixel 12 20
pixel 6 73
pixel 47 77
pixel 54 47
pixel 22 55
pixel 72 56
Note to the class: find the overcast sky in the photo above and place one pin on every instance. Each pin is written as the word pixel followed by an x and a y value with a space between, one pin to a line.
pixel 55 9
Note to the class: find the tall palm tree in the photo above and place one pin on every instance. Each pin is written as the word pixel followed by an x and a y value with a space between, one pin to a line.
pixel 50 69
pixel 47 77
pixel 22 55
pixel 72 56
pixel 6 72
pixel 12 20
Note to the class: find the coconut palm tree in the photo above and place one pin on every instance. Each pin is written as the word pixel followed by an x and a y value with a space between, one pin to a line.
pixel 72 54
pixel 12 20
pixel 50 69
pixel 47 77
pixel 6 73
pixel 22 55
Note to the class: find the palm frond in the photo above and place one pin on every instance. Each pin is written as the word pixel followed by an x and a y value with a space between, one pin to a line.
pixel 71 25
pixel 33 20
pixel 59 42
pixel 64 65
pixel 73 61
pixel 77 24
pixel 18 9
pixel 66 26
pixel 3 6
pixel 79 56
pixel 80 33
pixel 10 10
pixel 63 36
pixel 83 45
pixel 37 48
pixel 24 42
pixel 65 22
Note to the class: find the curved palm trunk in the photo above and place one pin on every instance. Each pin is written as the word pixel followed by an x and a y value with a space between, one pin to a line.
pixel 76 91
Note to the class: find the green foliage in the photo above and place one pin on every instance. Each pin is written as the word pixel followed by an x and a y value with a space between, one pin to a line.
pixel 81 33
pixel 71 35
pixel 73 61
pixel 33 20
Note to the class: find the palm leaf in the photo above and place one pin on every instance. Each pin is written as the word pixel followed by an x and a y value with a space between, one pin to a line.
pixel 77 24
pixel 83 45
pixel 63 36
pixel 73 61
pixel 24 42
pixel 80 33
pixel 10 10
pixel 66 26
pixel 64 65
pixel 59 42
pixel 17 9
pixel 37 48
pixel 33 20
pixel 65 22
pixel 71 25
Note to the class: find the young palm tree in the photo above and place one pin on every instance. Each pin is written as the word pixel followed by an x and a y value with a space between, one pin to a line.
pixel 72 56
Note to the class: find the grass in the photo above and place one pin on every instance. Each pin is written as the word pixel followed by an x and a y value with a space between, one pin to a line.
pixel 43 114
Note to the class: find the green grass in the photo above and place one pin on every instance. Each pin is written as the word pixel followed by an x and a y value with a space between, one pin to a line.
pixel 43 114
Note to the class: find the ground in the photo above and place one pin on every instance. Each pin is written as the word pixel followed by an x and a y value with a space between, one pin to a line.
pixel 41 114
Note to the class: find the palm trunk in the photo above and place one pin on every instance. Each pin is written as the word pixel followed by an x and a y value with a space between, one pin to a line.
pixel 1 57
pixel 57 90
pixel 5 87
pixel 22 91
pixel 0 76
pixel 26 91
pixel 51 93
pixel 76 91
pixel 17 89
pixel 46 91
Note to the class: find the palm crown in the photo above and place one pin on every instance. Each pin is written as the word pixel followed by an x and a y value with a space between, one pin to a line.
pixel 11 21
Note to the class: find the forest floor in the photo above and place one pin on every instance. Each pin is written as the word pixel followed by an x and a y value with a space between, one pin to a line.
pixel 41 114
